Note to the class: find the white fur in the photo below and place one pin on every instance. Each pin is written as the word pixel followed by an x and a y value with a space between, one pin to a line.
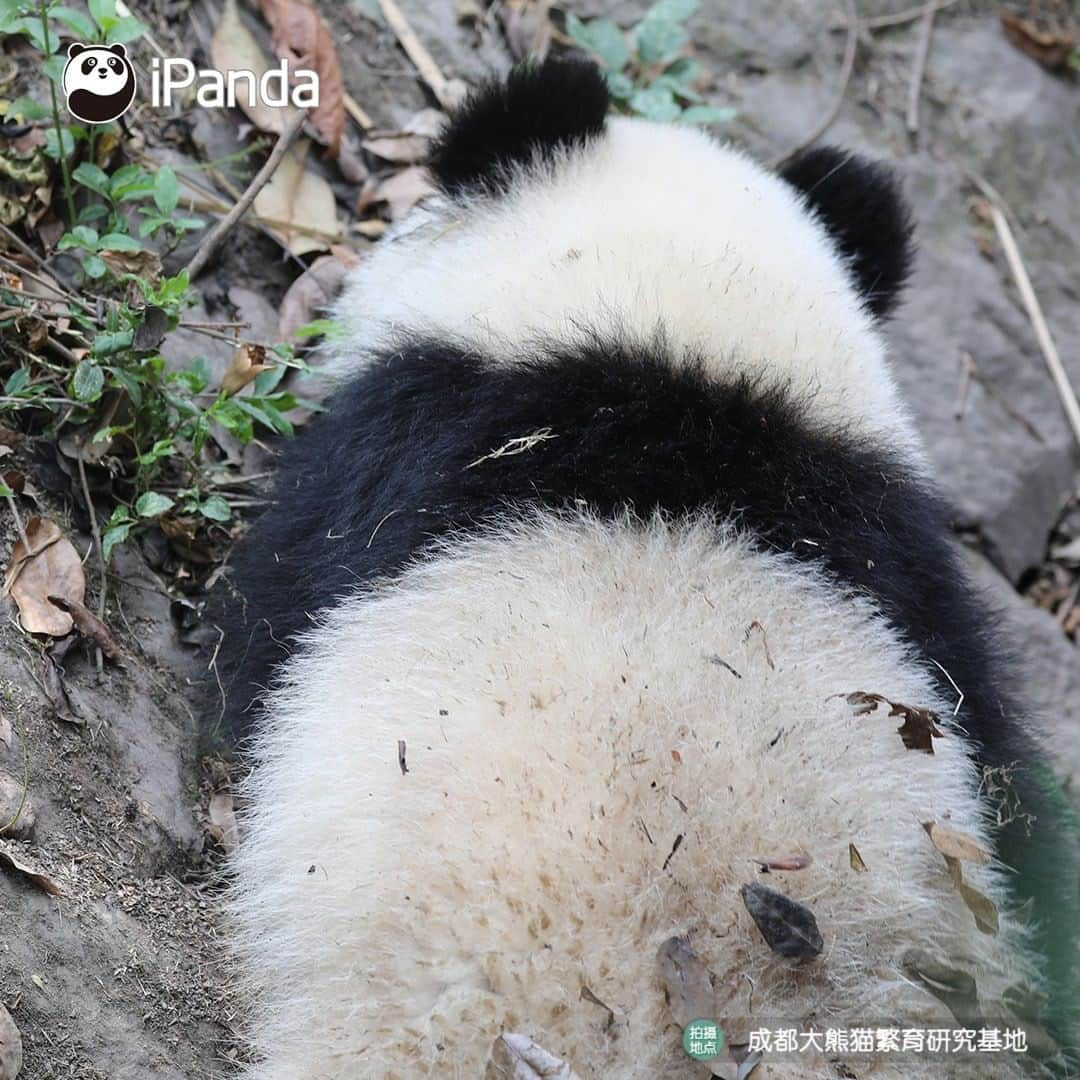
pixel 651 228
pixel 555 692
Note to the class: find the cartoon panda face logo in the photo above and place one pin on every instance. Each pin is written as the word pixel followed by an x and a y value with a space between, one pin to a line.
pixel 99 82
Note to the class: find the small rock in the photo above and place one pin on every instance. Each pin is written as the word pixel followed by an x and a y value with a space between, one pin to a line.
pixel 10 1047
pixel 11 795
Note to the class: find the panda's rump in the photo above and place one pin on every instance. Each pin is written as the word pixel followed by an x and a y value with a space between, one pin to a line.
pixel 506 779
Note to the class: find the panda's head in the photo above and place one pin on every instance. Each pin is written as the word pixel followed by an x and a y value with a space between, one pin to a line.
pixel 99 82
pixel 557 222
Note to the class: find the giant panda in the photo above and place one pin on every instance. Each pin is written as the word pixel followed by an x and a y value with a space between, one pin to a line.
pixel 612 586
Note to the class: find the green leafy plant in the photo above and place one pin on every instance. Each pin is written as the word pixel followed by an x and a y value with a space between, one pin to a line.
pixel 646 70
pixel 114 395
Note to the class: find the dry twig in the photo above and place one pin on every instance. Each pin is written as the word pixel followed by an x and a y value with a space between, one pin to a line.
pixel 418 54
pixel 898 18
pixel 1031 302
pixel 95 531
pixel 847 67
pixel 227 223
pixel 918 68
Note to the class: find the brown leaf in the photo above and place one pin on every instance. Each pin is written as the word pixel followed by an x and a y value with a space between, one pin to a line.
pixel 52 565
pixel 233 48
pixel 919 729
pixel 298 206
pixel 957 989
pixel 1051 47
pixel 527 26
pixel 402 191
pixel 789 928
pixel 856 860
pixel 956 845
pixel 412 144
pixel 688 985
pixel 89 626
pixel 11 1051
pixel 53 684
pixel 245 366
pixel 981 906
pixel 11 858
pixel 299 34
pixel 920 726
pixel 517 1057
pixel 312 291
pixel 143 263
pixel 223 827
pixel 785 862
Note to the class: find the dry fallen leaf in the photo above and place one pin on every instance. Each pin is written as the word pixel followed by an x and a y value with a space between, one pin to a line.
pixel 51 566
pixel 143 263
pixel 233 48
pixel 412 144
pixel 53 685
pixel 920 726
pixel 312 291
pixel 295 197
pixel 11 858
pixel 981 906
pixel 1051 47
pixel 517 1057
pixel 789 928
pixel 527 26
pixel 11 1053
pixel 956 845
pixel 89 626
pixel 957 989
pixel 688 986
pixel 246 365
pixel 300 35
pixel 402 191
pixel 856 860
pixel 5 731
pixel 223 827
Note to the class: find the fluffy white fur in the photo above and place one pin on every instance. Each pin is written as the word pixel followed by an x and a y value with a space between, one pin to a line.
pixel 564 722
pixel 651 228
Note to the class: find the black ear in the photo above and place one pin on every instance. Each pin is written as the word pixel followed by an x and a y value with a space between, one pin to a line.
pixel 119 50
pixel 861 204
pixel 537 109
pixel 74 49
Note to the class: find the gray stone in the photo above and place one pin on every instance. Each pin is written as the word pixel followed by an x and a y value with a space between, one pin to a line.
pixel 17 815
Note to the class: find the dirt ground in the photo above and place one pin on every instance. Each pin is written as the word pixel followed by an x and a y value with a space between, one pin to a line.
pixel 120 971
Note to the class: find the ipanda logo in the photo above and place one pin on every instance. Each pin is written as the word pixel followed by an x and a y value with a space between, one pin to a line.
pixel 100 85
pixel 99 82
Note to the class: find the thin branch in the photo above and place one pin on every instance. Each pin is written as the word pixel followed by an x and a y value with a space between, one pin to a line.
pixel 22 246
pixel 96 533
pixel 18 523
pixel 847 67
pixel 228 222
pixel 918 69
pixel 899 18
pixel 352 107
pixel 1060 376
pixel 418 54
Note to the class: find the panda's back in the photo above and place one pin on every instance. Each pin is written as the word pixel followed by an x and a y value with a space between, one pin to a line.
pixel 511 775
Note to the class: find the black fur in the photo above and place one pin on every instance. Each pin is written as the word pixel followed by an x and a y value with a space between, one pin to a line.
pixel 861 204
pixel 389 469
pixel 537 109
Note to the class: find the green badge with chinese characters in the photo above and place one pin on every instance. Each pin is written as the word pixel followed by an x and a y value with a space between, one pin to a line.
pixel 703 1040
